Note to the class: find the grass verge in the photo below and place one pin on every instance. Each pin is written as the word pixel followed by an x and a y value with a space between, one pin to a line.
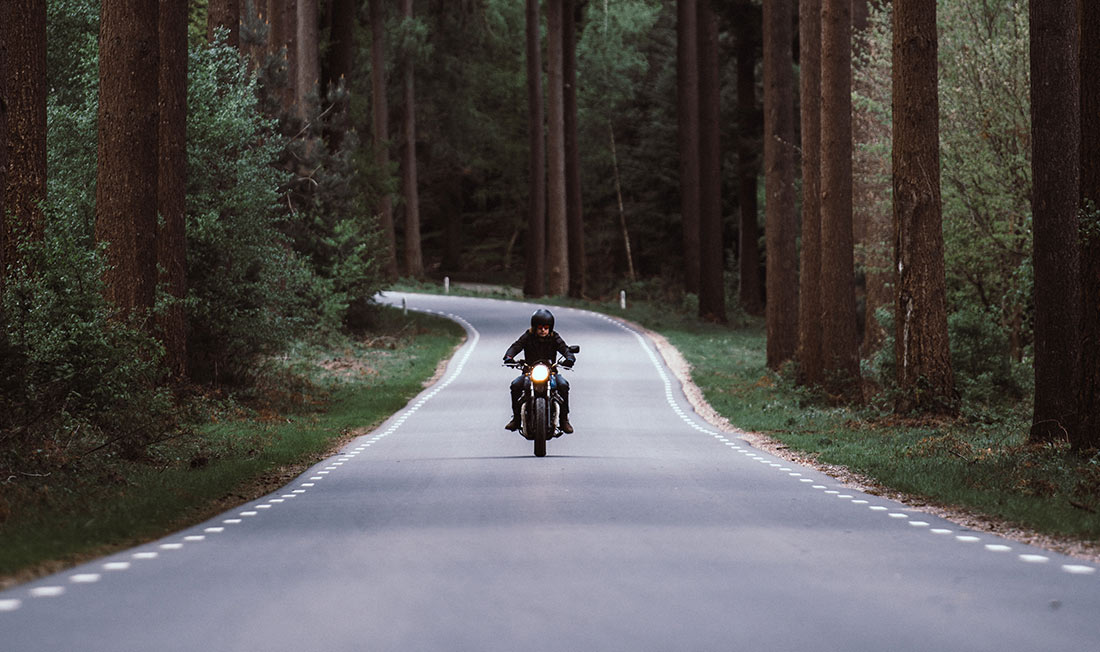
pixel 241 448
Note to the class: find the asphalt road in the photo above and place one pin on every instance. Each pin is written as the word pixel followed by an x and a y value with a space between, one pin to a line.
pixel 646 529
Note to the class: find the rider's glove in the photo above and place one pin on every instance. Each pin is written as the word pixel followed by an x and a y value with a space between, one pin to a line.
pixel 508 359
pixel 567 363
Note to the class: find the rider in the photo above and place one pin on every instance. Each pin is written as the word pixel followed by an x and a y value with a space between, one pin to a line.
pixel 541 342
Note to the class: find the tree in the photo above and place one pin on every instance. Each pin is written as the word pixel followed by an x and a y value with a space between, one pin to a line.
pixel 172 181
pixel 838 321
pixel 380 123
pixel 1089 406
pixel 809 297
pixel 414 259
pixel 924 370
pixel 781 224
pixel 535 283
pixel 557 255
pixel 22 126
pixel 712 285
pixel 307 72
pixel 1055 135
pixel 126 180
pixel 574 207
pixel 687 102
pixel 748 166
pixel 227 14
pixel 338 65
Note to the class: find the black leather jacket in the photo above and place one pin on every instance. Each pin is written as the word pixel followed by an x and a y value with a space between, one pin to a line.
pixel 541 348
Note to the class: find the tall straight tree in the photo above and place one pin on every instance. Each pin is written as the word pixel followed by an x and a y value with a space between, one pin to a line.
pixel 380 116
pixel 342 22
pixel 574 207
pixel 1088 435
pixel 1055 166
pixel 809 298
pixel 839 343
pixel 22 125
pixel 227 14
pixel 781 227
pixel 557 254
pixel 712 285
pixel 126 177
pixel 535 279
pixel 750 292
pixel 172 180
pixel 687 103
pixel 307 73
pixel 414 259
pixel 924 371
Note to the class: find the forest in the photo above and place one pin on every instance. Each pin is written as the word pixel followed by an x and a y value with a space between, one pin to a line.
pixel 902 192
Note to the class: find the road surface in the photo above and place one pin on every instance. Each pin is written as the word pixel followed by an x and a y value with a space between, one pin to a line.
pixel 646 529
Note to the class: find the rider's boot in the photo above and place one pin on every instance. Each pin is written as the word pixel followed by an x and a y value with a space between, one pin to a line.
pixel 564 425
pixel 513 425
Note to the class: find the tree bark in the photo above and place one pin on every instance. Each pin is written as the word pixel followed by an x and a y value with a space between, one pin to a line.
pixel 839 344
pixel 712 282
pixel 781 230
pixel 307 74
pixel 381 120
pixel 1055 137
pixel 573 202
pixel 809 297
pixel 172 181
pixel 535 279
pixel 924 371
pixel 557 255
pixel 22 126
pixel 224 13
pixel 414 261
pixel 748 165
pixel 1089 405
pixel 687 102
pixel 126 182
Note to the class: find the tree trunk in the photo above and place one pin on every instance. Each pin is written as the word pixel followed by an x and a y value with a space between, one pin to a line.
pixel 923 355
pixel 126 182
pixel 1056 139
pixel 712 281
pixel 1089 405
pixel 414 261
pixel 172 182
pixel 342 23
pixel 557 255
pixel 535 279
pixel 224 13
pixel 573 204
pixel 308 71
pixel 22 126
pixel 381 121
pixel 839 343
pixel 781 229
pixel 748 164
pixel 809 298
pixel 687 102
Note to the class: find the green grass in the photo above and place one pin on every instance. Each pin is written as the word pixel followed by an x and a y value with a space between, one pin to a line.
pixel 243 448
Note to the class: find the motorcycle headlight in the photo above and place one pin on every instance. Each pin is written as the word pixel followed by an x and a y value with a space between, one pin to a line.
pixel 540 373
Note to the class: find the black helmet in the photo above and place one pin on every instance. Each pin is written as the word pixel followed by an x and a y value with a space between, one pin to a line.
pixel 542 317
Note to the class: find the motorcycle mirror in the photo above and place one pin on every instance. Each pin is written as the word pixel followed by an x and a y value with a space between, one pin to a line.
pixel 575 348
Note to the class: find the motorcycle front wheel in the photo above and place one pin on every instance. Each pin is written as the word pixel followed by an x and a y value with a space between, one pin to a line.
pixel 542 421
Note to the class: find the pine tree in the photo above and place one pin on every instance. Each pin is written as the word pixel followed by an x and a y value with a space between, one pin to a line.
pixel 687 99
pixel 781 231
pixel 923 356
pixel 712 286
pixel 535 283
pixel 1056 137
pixel 809 297
pixel 1089 405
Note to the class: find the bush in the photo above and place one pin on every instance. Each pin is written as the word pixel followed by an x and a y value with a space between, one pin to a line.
pixel 73 377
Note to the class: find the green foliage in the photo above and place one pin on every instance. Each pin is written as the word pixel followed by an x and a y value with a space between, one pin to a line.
pixel 248 291
pixel 75 378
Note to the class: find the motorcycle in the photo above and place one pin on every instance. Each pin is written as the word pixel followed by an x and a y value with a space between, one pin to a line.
pixel 541 402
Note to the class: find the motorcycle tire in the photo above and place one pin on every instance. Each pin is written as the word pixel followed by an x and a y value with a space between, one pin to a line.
pixel 542 421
